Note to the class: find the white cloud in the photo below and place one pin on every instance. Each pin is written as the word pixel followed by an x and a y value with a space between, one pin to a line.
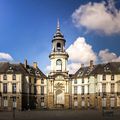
pixel 48 69
pixel 107 56
pixel 98 17
pixel 73 67
pixel 5 56
pixel 80 52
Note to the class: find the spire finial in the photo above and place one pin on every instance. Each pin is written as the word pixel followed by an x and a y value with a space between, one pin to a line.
pixel 58 25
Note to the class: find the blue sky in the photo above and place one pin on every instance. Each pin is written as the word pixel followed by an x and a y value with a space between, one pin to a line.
pixel 27 28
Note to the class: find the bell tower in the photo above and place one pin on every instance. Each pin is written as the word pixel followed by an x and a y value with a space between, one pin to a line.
pixel 58 55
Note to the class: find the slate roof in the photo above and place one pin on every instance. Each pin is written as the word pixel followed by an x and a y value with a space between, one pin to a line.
pixel 84 71
pixel 108 68
pixel 35 71
pixel 105 68
pixel 6 67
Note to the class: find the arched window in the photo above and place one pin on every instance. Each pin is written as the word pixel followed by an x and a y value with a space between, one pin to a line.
pixel 59 64
pixel 58 46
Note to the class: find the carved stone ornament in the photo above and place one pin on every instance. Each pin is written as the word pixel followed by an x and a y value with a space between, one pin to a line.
pixel 59 85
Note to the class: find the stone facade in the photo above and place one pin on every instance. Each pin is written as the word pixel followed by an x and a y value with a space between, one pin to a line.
pixel 25 87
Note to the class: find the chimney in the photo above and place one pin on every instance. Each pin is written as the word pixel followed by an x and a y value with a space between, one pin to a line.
pixel 82 65
pixel 35 64
pixel 91 64
pixel 25 63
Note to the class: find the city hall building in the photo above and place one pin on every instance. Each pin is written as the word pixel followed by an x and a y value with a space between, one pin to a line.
pixel 24 87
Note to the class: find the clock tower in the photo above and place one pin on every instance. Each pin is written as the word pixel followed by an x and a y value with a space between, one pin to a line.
pixel 58 83
pixel 58 55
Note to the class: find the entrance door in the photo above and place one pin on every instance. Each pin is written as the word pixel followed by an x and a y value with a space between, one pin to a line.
pixel 60 97
pixel 76 103
pixel 83 103
pixel 112 102
pixel 104 102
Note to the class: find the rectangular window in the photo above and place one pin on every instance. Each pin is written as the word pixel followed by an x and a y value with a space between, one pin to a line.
pixel 104 77
pixel 42 99
pixel 42 90
pixel 104 88
pixel 112 88
pixel 14 88
pixel 35 80
pixel 82 80
pixel 30 88
pixel 75 89
pixel 103 102
pixel 4 77
pixel 4 87
pixel 5 101
pixel 88 89
pixel 14 77
pixel 112 77
pixel 35 91
pixel 82 91
pixel 14 102
pixel 30 80
pixel 75 81
pixel 42 81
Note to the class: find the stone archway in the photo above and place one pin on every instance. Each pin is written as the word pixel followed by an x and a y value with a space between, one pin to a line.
pixel 59 98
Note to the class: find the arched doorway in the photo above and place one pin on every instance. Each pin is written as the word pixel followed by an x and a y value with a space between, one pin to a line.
pixel 59 98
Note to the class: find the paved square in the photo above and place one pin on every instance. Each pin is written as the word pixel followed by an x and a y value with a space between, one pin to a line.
pixel 59 115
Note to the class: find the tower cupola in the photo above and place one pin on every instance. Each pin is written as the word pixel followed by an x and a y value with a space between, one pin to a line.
pixel 58 40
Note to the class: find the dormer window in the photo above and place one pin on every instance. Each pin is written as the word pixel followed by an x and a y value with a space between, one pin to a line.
pixel 107 69
pixel 30 70
pixel 37 72
pixel 10 68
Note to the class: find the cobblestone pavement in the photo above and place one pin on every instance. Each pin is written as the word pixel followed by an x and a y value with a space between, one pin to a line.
pixel 59 115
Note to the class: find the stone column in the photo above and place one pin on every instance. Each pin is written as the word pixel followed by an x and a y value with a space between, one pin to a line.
pixel 79 102
pixel 50 100
pixel 10 103
pixel 67 102
pixel 108 102
pixel 99 103
pixel 38 102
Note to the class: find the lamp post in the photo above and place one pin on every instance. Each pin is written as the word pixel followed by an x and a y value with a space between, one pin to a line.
pixel 14 106
pixel 13 113
pixel 0 96
pixel 28 97
pixel 0 100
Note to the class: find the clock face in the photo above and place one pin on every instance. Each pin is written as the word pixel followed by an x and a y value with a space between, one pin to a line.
pixel 59 62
